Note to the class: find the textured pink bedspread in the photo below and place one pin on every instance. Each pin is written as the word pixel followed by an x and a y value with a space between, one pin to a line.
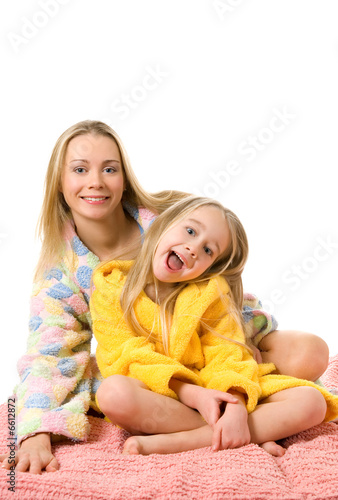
pixel 97 470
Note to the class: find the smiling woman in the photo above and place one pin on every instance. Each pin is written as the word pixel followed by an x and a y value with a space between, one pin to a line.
pixel 92 183
pixel 92 171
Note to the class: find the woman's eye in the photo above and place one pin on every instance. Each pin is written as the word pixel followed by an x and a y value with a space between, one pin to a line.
pixel 110 170
pixel 208 250
pixel 79 170
pixel 190 231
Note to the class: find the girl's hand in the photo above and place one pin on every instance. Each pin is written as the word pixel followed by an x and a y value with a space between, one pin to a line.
pixel 231 430
pixel 210 403
pixel 33 456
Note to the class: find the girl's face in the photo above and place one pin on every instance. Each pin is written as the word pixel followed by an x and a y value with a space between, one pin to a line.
pixel 92 178
pixel 191 246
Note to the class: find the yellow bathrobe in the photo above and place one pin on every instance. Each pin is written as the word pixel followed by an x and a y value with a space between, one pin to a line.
pixel 196 355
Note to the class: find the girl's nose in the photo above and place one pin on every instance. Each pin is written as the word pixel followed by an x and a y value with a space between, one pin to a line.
pixel 191 249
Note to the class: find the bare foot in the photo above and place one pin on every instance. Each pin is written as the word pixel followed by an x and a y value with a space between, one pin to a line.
pixel 273 448
pixel 132 446
pixel 174 442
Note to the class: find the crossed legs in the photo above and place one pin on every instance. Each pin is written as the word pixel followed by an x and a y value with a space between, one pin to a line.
pixel 160 424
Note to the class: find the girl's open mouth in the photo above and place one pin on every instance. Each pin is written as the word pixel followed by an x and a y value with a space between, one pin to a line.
pixel 174 261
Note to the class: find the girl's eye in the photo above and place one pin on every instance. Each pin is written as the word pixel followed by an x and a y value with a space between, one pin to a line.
pixel 79 170
pixel 110 170
pixel 208 250
pixel 190 231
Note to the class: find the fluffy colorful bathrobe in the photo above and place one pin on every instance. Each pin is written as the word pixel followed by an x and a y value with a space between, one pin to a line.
pixel 196 355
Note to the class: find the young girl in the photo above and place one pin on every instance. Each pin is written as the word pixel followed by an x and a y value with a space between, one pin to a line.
pixel 170 341
pixel 94 208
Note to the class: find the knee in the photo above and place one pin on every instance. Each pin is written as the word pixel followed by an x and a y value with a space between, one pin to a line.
pixel 299 354
pixel 313 406
pixel 114 395
pixel 313 355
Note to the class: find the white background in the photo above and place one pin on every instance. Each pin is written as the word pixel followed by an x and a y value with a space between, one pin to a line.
pixel 224 71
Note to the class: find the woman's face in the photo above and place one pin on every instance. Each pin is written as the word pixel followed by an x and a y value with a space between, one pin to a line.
pixel 92 180
pixel 191 246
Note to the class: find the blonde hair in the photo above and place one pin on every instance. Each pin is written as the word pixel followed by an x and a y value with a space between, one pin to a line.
pixel 55 212
pixel 229 264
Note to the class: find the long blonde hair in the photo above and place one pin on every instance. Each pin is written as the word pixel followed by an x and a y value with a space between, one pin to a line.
pixel 230 264
pixel 55 212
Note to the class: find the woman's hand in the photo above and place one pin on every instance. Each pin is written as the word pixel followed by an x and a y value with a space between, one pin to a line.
pixel 231 430
pixel 34 455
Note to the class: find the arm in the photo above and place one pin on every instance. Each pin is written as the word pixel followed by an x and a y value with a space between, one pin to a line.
pixel 54 372
pixel 207 402
pixel 232 430
pixel 229 366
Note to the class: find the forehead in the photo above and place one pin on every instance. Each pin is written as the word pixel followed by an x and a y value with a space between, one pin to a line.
pixel 86 145
pixel 207 214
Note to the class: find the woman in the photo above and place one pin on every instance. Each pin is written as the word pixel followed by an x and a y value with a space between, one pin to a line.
pixel 90 213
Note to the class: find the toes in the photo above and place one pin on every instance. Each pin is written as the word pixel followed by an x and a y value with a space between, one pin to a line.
pixel 273 448
pixel 131 447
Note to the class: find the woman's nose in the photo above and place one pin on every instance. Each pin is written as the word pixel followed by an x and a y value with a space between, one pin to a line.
pixel 95 180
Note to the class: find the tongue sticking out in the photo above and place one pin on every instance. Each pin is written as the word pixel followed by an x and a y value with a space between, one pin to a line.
pixel 174 262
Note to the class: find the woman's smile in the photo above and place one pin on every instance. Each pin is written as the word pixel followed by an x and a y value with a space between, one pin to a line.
pixel 95 200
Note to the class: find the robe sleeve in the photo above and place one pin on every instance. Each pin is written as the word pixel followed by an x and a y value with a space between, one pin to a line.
pixel 227 364
pixel 55 380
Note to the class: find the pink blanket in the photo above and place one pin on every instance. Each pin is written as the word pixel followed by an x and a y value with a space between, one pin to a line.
pixel 97 470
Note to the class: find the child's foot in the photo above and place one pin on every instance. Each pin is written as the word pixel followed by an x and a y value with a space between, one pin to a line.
pixel 273 448
pixel 132 446
pixel 175 442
